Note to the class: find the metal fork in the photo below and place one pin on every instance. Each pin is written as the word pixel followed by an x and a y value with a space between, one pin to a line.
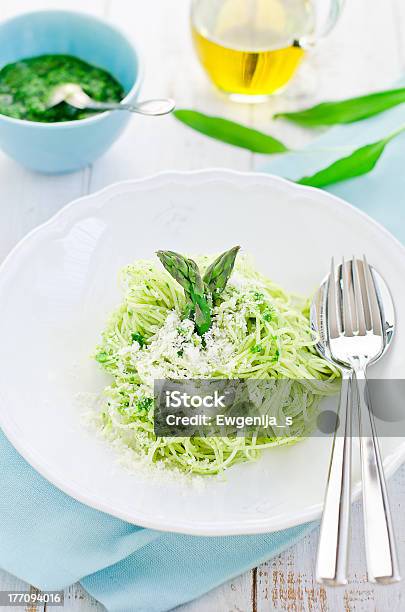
pixel 356 340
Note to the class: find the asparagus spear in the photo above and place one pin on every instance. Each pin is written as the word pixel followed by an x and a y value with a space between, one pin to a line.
pixel 202 314
pixel 185 271
pixel 219 272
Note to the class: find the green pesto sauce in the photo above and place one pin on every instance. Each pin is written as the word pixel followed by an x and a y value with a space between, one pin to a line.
pixel 26 85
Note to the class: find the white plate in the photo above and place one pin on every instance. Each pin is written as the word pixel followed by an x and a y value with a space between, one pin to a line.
pixel 60 283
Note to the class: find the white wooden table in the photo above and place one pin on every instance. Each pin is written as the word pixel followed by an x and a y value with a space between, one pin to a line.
pixel 366 51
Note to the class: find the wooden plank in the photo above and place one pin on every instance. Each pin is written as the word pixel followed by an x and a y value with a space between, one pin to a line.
pixel 288 583
pixel 11 583
pixel 234 596
pixel 398 8
pixel 78 600
pixel 8 582
pixel 29 199
pixel 10 8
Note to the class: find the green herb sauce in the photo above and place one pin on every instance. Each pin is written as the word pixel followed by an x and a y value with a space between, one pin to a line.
pixel 26 85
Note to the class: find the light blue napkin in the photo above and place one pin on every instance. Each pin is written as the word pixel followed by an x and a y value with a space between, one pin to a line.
pixel 50 540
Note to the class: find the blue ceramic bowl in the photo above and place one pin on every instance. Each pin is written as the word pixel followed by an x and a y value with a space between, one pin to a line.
pixel 68 146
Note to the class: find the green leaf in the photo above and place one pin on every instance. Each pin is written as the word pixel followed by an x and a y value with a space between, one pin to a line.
pixel 359 162
pixel 230 132
pixel 347 111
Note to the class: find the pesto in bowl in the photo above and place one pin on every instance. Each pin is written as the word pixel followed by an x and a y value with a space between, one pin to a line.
pixel 26 85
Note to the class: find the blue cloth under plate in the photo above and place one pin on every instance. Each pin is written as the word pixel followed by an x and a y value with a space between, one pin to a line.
pixel 50 540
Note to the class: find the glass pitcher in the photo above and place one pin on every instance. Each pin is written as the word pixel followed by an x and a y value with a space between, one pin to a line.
pixel 251 48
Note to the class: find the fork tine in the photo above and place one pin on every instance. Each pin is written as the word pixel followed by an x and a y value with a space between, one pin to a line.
pixel 332 307
pixel 358 298
pixel 346 310
pixel 374 306
pixel 364 294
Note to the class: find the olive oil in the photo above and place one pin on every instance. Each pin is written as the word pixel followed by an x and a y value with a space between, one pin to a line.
pixel 251 47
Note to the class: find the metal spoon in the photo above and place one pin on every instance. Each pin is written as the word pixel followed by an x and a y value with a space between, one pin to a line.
pixel 73 94
pixel 333 542
pixel 332 556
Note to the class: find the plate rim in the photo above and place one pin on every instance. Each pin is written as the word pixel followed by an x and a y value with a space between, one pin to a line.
pixel 251 526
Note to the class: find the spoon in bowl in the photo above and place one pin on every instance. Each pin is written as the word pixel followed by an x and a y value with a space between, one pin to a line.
pixel 73 94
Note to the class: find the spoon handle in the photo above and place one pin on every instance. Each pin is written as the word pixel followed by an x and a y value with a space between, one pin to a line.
pixel 381 554
pixel 333 545
pixel 156 107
